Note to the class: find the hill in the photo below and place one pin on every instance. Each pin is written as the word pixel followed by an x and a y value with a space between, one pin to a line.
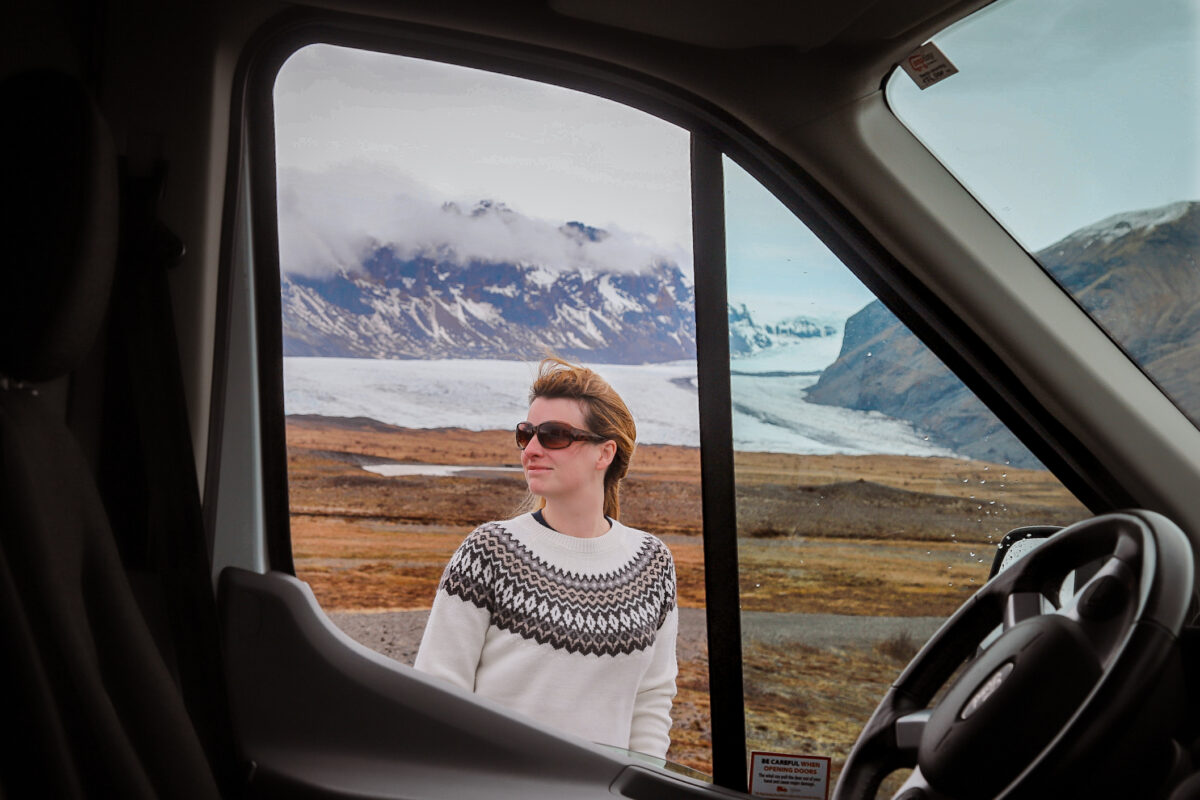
pixel 1135 273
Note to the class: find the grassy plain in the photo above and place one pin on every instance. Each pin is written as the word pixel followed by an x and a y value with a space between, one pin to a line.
pixel 855 535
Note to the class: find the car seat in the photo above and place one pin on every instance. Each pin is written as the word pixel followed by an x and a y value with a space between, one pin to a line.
pixel 90 707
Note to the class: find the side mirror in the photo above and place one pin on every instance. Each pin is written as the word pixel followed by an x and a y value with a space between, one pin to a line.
pixel 1017 543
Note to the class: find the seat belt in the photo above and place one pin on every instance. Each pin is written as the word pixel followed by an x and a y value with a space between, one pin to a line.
pixel 177 549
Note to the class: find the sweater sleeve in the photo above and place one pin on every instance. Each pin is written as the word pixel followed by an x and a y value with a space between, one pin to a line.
pixel 458 623
pixel 453 640
pixel 649 730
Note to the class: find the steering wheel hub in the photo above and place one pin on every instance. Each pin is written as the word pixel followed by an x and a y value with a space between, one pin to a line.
pixel 973 748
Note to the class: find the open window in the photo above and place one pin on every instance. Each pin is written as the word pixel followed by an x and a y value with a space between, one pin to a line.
pixel 441 229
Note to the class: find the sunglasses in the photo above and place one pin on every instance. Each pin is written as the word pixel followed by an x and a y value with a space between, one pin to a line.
pixel 553 435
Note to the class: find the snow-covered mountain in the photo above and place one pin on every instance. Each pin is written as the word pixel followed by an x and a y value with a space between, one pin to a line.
pixel 749 338
pixel 424 307
pixel 428 302
pixel 1118 226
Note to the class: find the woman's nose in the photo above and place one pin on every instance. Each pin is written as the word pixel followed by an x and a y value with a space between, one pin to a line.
pixel 534 447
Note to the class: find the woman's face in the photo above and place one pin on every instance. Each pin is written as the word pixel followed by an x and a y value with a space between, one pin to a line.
pixel 572 471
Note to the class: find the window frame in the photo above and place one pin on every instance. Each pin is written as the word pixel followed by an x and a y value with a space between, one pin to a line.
pixel 714 132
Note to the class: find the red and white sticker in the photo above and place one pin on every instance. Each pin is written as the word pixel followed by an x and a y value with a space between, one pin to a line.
pixel 789 776
pixel 927 65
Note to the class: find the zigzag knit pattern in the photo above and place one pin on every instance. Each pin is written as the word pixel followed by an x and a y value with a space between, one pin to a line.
pixel 610 614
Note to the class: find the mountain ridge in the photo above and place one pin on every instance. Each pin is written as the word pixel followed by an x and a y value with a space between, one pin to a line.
pixel 423 307
pixel 434 303
pixel 1134 272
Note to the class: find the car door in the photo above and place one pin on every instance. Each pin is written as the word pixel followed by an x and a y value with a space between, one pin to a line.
pixel 852 530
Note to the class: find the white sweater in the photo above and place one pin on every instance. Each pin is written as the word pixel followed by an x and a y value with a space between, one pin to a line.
pixel 576 633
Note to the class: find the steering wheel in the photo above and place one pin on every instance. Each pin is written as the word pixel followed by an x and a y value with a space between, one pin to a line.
pixel 1055 696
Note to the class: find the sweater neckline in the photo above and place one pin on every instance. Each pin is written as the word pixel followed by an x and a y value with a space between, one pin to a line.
pixel 540 516
pixel 544 534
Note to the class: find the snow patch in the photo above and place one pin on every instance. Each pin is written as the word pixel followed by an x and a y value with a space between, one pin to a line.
pixel 616 302
pixel 1108 230
pixel 542 276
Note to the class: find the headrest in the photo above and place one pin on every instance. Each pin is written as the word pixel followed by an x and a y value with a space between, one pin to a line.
pixel 58 224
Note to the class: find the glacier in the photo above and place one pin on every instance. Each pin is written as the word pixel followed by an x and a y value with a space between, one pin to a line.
pixel 769 411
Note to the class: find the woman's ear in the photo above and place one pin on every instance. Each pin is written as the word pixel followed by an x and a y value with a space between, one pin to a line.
pixel 608 451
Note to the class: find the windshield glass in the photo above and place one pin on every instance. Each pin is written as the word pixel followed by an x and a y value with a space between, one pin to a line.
pixel 1075 124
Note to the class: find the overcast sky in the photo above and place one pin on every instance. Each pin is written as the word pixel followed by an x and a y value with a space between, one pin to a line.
pixel 1053 123
pixel 370 146
pixel 447 133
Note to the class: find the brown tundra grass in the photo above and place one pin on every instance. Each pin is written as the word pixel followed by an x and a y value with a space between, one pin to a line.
pixel 855 535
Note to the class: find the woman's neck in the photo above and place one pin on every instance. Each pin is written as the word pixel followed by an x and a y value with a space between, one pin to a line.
pixel 584 520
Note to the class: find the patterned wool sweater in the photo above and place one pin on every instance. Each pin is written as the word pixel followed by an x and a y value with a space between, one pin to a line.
pixel 576 633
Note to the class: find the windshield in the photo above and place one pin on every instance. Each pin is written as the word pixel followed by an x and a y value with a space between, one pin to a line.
pixel 1075 124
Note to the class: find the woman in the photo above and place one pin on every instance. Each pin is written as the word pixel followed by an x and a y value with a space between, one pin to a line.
pixel 564 614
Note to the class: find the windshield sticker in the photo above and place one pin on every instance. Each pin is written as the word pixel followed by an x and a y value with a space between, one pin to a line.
pixel 789 776
pixel 927 65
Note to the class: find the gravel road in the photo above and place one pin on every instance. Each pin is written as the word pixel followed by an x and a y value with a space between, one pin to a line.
pixel 398 633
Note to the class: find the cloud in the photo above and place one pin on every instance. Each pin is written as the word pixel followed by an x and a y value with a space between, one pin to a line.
pixel 328 221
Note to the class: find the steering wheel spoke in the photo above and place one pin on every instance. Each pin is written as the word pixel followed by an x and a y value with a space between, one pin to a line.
pixel 908 731
pixel 1020 606
pixel 1103 606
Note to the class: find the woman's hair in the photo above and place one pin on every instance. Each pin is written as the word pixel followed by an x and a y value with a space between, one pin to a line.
pixel 605 413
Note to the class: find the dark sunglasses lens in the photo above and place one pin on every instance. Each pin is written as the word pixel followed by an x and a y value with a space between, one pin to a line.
pixel 554 436
pixel 525 433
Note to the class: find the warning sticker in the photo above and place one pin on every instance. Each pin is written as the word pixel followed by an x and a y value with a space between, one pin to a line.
pixel 788 776
pixel 926 65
